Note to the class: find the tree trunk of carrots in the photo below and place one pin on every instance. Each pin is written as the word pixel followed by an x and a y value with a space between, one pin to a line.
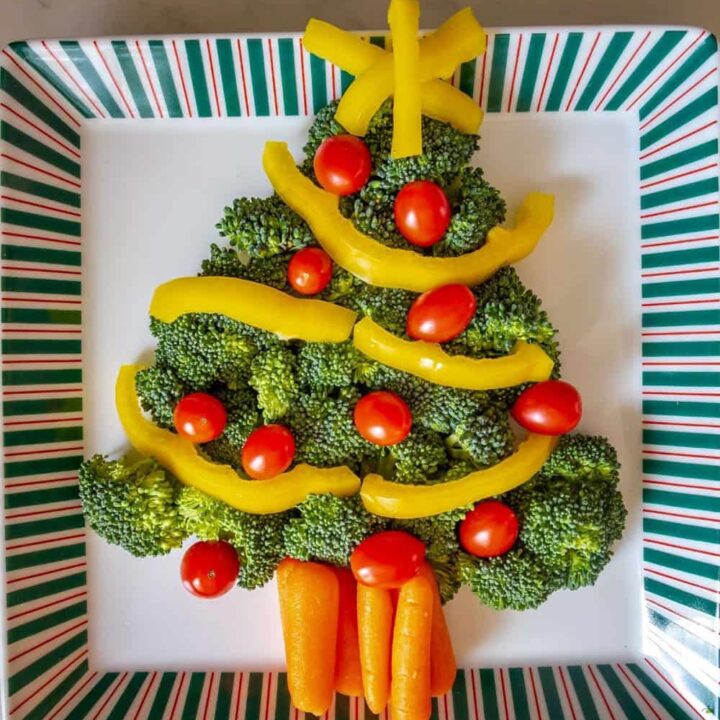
pixel 348 675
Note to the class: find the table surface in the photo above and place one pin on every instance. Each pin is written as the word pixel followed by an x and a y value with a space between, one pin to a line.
pixel 23 19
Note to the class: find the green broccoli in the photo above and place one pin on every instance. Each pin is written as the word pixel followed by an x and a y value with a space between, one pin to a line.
pixel 272 374
pixel 159 391
pixel 483 439
pixel 386 306
pixel 418 459
pixel 327 365
pixel 132 504
pixel 228 262
pixel 583 456
pixel 323 126
pixel 257 538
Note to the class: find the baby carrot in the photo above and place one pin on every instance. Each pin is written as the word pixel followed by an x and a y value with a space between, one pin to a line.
pixel 308 595
pixel 375 627
pixel 348 676
pixel 443 667
pixel 410 696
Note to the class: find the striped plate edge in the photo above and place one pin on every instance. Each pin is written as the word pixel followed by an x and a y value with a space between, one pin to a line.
pixel 666 77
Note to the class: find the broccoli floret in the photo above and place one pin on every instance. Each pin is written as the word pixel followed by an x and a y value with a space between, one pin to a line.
pixel 227 262
pixel 263 227
pixel 272 374
pixel 324 126
pixel 159 391
pixel 133 505
pixel 386 306
pixel 257 538
pixel 483 439
pixel 329 528
pixel 327 365
pixel 583 456
pixel 372 212
pixel 417 459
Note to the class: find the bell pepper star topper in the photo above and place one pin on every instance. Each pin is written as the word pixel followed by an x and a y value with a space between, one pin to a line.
pixel 414 72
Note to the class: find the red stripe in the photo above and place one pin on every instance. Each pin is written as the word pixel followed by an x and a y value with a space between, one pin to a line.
pixel 504 694
pixel 622 71
pixel 302 76
pixel 567 693
pixel 669 393
pixel 670 685
pixel 689 583
pixel 666 70
pixel 678 333
pixel 681 364
pixel 82 593
pixel 182 79
pixel 680 424
pixel 44 300
pixel 14 268
pixel 119 682
pixel 41 362
pixel 600 690
pixel 678 209
pixel 40 422
pixel 678 175
pixel 72 696
pixel 650 601
pixel 212 76
pixel 482 72
pixel 514 72
pixel 680 272
pixel 445 704
pixel 267 696
pixel 682 302
pixel 177 695
pixel 10 198
pixel 687 486
pixel 474 694
pixel 47 391
pixel 47 641
pixel 679 454
pixel 145 695
pixel 677 140
pixel 582 72
pixel 57 104
pixel 63 67
pixel 677 99
pixel 547 71
pixel 112 77
pixel 46 572
pixel 209 694
pixel 35 513
pixel 534 692
pixel 44 133
pixel 244 82
pixel 41 171
pixel 332 82
pixel 52 451
pixel 39 331
pixel 49 681
pixel 678 242
pixel 241 678
pixel 272 75
pixel 675 546
pixel 149 79
pixel 24 236
pixel 13 486
pixel 684 516
pixel 637 690
pixel 45 542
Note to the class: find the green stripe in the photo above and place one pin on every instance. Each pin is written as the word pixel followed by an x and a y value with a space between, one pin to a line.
pixel 22 95
pixel 489 695
pixel 681 318
pixel 129 71
pixel 692 642
pixel 682 597
pixel 42 68
pixel 42 710
pixel 224 696
pixel 192 698
pixel 682 564
pixel 44 557
pixel 166 77
pixel 646 66
pixel 693 686
pixel 564 69
pixel 162 696
pixel 614 50
pixel 286 54
pixel 39 189
pixel 693 471
pixel 92 78
pixel 519 694
pixel 501 43
pixel 342 707
pixel 40 316
pixel 681 287
pixel 530 73
pixel 705 50
pixel 681 349
pixel 682 409
pixel 460 701
pixel 434 710
pixel 228 77
pixel 197 76
pixel 10 134
pixel 700 223
pixel 696 533
pixel 127 698
pixel 45 663
pixel 40 222
pixel 682 379
pixel 257 77
pixel 45 589
pixel 681 257
pixel 37 467
pixel 679 159
pixel 40 285
pixel 681 192
pixel 254 696
pixel 282 698
pixel 93 694
pixel 552 699
pixel 345 79
pixel 658 693
pixel 41 377
pixel 26 253
pixel 46 435
pixel 682 117
pixel 467 77
pixel 13 408
pixel 318 83
pixel 32 498
pixel 41 347
pixel 51 619
pixel 582 691
pixel 683 501
pixel 19 530
pixel 620 692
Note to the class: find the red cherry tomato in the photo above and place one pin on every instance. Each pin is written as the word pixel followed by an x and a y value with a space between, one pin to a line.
pixel 342 164
pixel 552 407
pixel 489 529
pixel 383 418
pixel 441 314
pixel 209 568
pixel 268 451
pixel 199 417
pixel 387 559
pixel 422 213
pixel 310 270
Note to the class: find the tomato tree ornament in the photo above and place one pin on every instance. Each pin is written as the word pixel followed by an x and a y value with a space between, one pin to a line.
pixel 209 568
pixel 489 529
pixel 199 417
pixel 387 559
pixel 342 164
pixel 422 212
pixel 383 418
pixel 441 314
pixel 268 451
pixel 552 407
pixel 310 270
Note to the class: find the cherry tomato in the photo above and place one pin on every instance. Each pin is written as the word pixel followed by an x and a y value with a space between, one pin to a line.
pixel 209 568
pixel 552 407
pixel 268 451
pixel 342 164
pixel 310 270
pixel 387 559
pixel 489 529
pixel 199 417
pixel 422 213
pixel 441 314
pixel 382 418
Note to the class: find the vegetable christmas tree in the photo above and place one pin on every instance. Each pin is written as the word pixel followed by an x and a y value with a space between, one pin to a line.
pixel 333 393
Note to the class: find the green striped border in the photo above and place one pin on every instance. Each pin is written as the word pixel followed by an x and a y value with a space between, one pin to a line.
pixel 666 77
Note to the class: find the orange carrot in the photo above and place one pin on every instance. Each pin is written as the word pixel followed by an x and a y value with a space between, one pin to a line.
pixel 410 696
pixel 375 628
pixel 309 610
pixel 443 667
pixel 348 676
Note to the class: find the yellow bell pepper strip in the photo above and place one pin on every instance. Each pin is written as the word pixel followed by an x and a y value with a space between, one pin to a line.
pixel 378 265
pixel 526 363
pixel 439 99
pixel 406 502
pixel 253 304
pixel 182 459
pixel 457 40
pixel 404 22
